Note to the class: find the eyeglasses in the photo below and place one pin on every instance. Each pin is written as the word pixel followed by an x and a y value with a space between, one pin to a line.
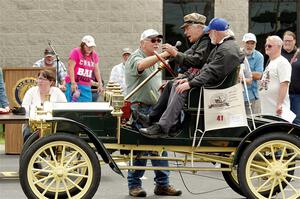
pixel 268 46
pixel 42 79
pixel 153 40
pixel 286 41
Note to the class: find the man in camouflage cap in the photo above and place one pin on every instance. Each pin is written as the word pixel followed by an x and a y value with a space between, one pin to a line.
pixel 193 18
pixel 188 62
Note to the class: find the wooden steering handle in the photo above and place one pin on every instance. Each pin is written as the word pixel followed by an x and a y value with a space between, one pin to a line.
pixel 168 67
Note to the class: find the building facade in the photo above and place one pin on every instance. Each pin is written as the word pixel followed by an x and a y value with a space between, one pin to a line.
pixel 26 26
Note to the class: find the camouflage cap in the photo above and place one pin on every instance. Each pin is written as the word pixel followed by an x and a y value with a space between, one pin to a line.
pixel 193 18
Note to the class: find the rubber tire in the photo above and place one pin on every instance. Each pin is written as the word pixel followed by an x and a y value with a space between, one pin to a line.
pixel 248 151
pixel 232 183
pixel 60 137
pixel 32 138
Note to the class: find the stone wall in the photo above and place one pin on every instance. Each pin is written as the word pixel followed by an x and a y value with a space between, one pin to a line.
pixel 27 25
pixel 236 12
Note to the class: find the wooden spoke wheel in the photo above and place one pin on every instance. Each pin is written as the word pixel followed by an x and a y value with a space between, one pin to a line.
pixel 60 166
pixel 270 167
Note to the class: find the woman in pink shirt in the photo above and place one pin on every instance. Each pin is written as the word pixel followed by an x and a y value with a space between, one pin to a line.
pixel 83 61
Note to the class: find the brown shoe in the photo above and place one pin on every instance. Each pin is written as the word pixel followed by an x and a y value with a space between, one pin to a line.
pixel 137 192
pixel 166 191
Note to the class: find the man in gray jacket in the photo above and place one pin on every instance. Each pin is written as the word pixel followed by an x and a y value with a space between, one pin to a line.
pixel 189 62
pixel 224 59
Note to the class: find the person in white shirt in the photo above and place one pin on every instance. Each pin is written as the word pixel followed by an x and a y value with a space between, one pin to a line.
pixel 117 73
pixel 37 95
pixel 274 84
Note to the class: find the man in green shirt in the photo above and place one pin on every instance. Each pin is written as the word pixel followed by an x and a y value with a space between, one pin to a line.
pixel 138 67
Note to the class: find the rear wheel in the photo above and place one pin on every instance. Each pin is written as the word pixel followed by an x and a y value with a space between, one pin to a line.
pixel 232 179
pixel 69 168
pixel 268 165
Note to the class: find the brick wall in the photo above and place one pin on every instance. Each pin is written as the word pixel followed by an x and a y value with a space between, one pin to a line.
pixel 27 25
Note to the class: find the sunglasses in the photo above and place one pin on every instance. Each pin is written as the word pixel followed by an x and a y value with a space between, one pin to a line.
pixel 153 40
pixel 268 46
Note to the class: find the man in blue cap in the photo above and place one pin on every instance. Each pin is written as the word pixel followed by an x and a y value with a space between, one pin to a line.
pixel 222 61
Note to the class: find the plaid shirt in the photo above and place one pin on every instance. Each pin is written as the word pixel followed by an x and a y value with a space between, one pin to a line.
pixel 62 72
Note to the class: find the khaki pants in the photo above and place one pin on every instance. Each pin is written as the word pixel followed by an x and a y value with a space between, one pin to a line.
pixel 255 106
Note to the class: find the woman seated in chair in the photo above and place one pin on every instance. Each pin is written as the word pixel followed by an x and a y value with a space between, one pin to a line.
pixel 44 91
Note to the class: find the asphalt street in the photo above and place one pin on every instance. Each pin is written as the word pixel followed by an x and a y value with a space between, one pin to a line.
pixel 204 185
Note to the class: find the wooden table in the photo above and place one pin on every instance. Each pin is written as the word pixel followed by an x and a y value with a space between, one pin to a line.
pixel 13 135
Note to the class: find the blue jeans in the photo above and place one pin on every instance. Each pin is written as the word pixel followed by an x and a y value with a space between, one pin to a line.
pixel 161 177
pixel 295 107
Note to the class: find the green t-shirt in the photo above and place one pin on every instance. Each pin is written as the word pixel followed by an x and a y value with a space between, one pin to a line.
pixel 149 93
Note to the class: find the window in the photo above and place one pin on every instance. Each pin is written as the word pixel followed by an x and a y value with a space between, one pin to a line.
pixel 173 13
pixel 273 17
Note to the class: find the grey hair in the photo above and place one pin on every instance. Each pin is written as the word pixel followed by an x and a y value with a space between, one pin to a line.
pixel 278 41
pixel 229 32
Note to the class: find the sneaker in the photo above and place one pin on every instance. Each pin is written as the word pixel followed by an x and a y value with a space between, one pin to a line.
pixel 166 191
pixel 137 192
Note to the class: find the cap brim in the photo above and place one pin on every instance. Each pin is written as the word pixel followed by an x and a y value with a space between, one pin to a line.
pixel 49 55
pixel 184 25
pixel 206 29
pixel 91 44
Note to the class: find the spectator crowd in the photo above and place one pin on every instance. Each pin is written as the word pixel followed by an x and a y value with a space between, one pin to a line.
pixel 271 88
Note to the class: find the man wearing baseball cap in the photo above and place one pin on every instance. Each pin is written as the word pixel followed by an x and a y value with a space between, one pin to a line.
pixel 256 63
pixel 223 61
pixel 117 73
pixel 138 67
pixel 50 61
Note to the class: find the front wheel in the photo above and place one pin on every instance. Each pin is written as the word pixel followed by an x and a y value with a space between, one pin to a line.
pixel 68 168
pixel 269 165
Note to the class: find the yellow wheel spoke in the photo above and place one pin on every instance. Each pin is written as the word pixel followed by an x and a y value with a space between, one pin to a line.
pixel 78 175
pixel 46 189
pixel 41 180
pixel 260 167
pixel 272 189
pixel 273 153
pixel 72 157
pixel 264 158
pixel 293 168
pixel 47 162
pixel 53 156
pixel 84 164
pixel 66 188
pixel 290 185
pixel 281 189
pixel 260 176
pixel 292 158
pixel 282 154
pixel 76 185
pixel 62 155
pixel 57 188
pixel 294 177
pixel 267 181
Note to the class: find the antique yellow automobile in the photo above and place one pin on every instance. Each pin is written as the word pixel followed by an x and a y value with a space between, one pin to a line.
pixel 61 158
